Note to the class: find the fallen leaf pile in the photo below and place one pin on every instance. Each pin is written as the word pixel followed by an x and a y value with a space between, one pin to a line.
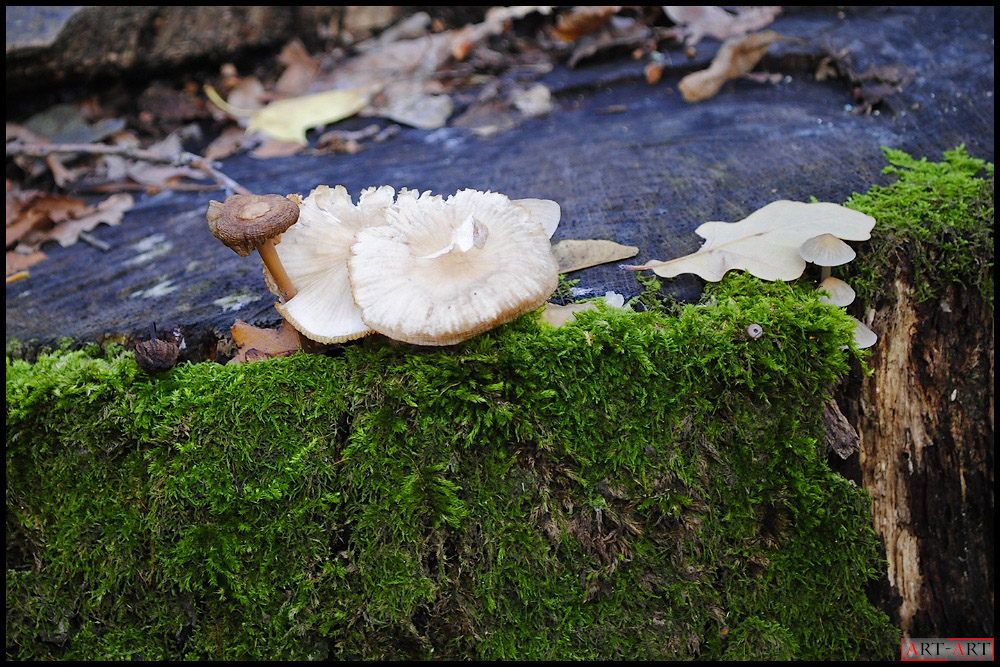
pixel 35 218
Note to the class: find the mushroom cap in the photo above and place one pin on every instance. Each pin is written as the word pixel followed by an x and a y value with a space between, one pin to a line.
pixel 243 222
pixel 442 271
pixel 841 294
pixel 826 250
pixel 863 336
pixel 543 211
pixel 314 253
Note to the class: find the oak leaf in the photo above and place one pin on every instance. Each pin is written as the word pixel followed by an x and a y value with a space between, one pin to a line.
pixel 766 243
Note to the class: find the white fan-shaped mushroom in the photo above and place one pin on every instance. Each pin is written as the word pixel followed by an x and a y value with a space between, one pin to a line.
pixel 442 271
pixel 314 252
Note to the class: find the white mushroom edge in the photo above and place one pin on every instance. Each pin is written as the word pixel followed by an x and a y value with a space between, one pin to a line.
pixel 314 252
pixel 441 271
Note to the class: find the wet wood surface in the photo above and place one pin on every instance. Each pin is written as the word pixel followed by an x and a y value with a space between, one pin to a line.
pixel 627 161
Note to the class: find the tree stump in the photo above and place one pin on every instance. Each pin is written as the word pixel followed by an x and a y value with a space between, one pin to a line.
pixel 925 420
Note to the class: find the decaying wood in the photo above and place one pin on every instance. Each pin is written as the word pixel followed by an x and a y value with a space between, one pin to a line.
pixel 841 436
pixel 925 420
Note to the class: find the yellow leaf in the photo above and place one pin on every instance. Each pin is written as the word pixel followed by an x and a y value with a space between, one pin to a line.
pixel 288 119
pixel 573 254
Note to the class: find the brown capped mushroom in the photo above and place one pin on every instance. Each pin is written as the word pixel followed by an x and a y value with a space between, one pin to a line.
pixel 442 271
pixel 246 222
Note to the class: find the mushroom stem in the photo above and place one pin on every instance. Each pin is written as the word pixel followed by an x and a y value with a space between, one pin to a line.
pixel 277 271
pixel 284 284
pixel 824 273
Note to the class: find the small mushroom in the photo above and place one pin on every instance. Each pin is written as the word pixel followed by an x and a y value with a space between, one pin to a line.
pixel 840 292
pixel 442 271
pixel 826 250
pixel 314 252
pixel 246 222
pixel 863 336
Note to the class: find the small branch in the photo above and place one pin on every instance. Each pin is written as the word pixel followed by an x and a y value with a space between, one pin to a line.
pixel 184 159
pixel 91 240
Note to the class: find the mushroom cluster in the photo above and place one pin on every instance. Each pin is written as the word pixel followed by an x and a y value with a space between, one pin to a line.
pixel 827 250
pixel 416 267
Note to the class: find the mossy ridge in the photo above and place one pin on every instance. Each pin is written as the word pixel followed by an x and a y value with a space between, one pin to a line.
pixel 630 485
pixel 939 215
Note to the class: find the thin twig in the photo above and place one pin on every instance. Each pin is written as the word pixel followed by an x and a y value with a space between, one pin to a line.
pixel 183 159
pixel 94 241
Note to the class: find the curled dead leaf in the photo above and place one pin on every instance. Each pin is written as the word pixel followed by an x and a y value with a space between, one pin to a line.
pixel 736 57
pixel 582 20
pixel 256 344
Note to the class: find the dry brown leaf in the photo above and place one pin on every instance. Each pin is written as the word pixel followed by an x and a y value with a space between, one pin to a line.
pixel 696 21
pixel 573 255
pixel 359 21
pixel 300 70
pixel 626 33
pixel 17 262
pixel 34 210
pixel 255 344
pixel 557 315
pixel 736 57
pixel 582 20
pixel 248 95
pixel 227 143
pixel 108 212
pixel 270 148
pixel 150 173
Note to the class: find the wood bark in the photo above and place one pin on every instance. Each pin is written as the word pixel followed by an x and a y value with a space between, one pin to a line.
pixel 925 421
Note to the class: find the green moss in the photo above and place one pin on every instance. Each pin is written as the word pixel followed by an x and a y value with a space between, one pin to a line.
pixel 937 216
pixel 632 485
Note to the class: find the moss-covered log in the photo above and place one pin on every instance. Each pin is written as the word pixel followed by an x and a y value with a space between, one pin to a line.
pixel 631 485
